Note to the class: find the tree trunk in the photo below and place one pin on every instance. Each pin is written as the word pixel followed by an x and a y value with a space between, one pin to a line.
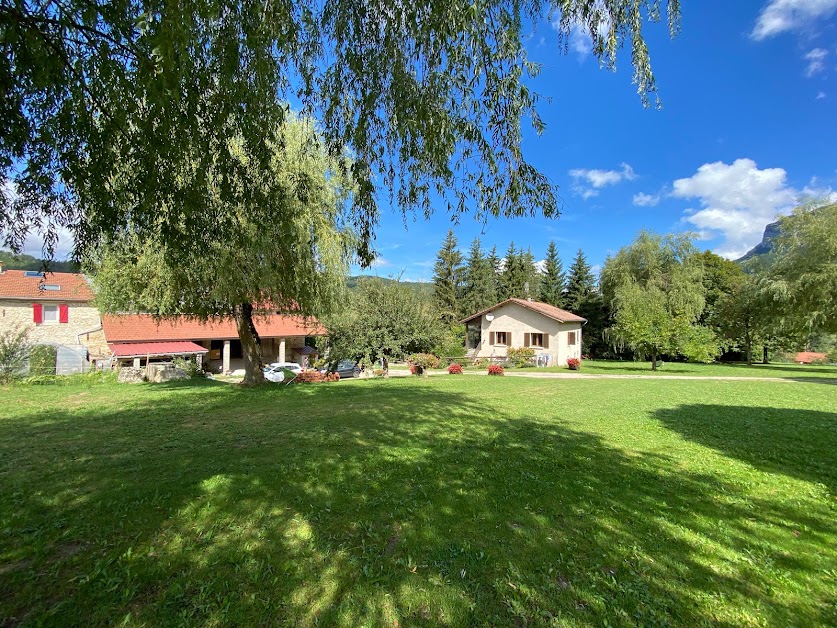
pixel 748 348
pixel 251 345
pixel 764 357
pixel 654 360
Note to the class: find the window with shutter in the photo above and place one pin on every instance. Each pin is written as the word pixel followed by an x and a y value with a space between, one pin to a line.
pixel 571 338
pixel 526 339
pixel 537 340
pixel 63 313
pixel 491 337
pixel 546 341
pixel 37 313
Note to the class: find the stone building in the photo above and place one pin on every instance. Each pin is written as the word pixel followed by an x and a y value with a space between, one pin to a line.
pixel 56 308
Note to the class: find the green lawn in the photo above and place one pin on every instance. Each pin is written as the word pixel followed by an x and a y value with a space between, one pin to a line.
pixel 440 501
pixel 784 371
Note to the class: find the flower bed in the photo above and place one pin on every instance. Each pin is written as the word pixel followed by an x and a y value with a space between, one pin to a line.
pixel 455 369
pixel 574 364
pixel 496 369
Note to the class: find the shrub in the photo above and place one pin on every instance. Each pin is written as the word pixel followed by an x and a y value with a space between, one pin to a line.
pixel 420 362
pixel 574 364
pixel 189 366
pixel 522 356
pixel 455 369
pixel 42 360
pixel 481 363
pixel 14 352
pixel 495 369
pixel 832 356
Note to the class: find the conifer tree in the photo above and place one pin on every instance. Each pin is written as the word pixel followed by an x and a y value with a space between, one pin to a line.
pixel 494 263
pixel 580 283
pixel 513 276
pixel 553 281
pixel 531 275
pixel 478 288
pixel 447 279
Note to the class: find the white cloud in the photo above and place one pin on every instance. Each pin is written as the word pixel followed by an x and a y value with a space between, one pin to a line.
pixel 646 200
pixel 780 16
pixel 580 43
pixel 597 179
pixel 738 200
pixel 820 95
pixel 816 61
pixel 380 261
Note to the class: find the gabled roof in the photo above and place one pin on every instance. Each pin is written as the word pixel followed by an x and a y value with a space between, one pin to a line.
pixel 145 328
pixel 550 311
pixel 30 286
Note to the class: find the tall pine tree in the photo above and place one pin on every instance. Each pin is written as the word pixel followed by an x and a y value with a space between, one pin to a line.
pixel 478 286
pixel 580 284
pixel 553 281
pixel 494 263
pixel 531 275
pixel 513 278
pixel 447 279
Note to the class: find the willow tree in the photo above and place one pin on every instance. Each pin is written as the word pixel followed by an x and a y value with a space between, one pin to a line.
pixel 285 250
pixel 655 290
pixel 430 96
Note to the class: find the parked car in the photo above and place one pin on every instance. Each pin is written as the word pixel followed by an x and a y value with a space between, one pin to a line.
pixel 281 371
pixel 344 368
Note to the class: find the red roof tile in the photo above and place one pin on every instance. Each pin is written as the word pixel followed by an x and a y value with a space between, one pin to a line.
pixel 143 327
pixel 142 349
pixel 562 316
pixel 14 284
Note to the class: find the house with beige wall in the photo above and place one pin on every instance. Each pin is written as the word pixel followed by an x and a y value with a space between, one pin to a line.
pixel 56 308
pixel 516 323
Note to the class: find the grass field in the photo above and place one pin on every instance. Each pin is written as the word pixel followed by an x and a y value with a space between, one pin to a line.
pixel 441 501
pixel 783 371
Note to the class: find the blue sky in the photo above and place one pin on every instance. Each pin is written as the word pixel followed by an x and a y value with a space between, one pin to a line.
pixel 748 124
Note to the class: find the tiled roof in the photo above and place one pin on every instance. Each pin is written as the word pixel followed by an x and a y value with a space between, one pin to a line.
pixel 14 284
pixel 562 316
pixel 142 349
pixel 144 328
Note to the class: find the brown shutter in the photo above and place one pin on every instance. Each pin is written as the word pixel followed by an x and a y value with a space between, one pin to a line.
pixel 526 340
pixel 491 338
pixel 545 340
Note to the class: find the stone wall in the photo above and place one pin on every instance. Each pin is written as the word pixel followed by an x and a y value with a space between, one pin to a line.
pixel 82 317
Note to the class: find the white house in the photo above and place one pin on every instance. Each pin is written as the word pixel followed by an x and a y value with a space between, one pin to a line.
pixel 514 323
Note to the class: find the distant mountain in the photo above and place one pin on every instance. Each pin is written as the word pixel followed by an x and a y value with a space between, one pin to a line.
pixel 771 232
pixel 27 262
pixel 422 287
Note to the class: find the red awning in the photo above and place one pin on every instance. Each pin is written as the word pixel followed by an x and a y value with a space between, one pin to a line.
pixel 155 349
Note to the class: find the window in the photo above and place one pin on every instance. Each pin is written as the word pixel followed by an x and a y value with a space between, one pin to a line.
pixel 472 336
pixel 501 338
pixel 50 313
pixel 572 338
pixel 537 340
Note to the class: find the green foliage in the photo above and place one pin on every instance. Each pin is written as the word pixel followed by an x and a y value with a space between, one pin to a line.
pixel 283 250
pixel 479 288
pixel 14 352
pixel 580 283
pixel 431 95
pixel 189 366
pixel 802 278
pixel 383 320
pixel 553 282
pixel 452 342
pixel 521 356
pixel 655 288
pixel 21 261
pixel 447 279
pixel 424 360
pixel 42 360
pixel 519 278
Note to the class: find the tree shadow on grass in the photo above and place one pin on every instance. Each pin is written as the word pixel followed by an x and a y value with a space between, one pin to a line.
pixel 376 505
pixel 798 443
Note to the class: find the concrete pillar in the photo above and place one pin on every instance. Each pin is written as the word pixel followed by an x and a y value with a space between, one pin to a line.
pixel 226 365
pixel 281 355
pixel 136 363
